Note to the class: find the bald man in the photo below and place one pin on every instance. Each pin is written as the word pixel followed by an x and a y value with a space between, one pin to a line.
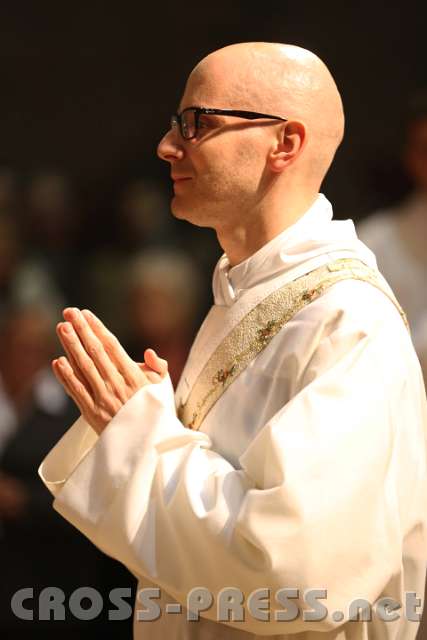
pixel 282 492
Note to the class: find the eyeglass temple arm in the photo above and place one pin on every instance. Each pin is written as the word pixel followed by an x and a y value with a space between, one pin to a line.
pixel 248 115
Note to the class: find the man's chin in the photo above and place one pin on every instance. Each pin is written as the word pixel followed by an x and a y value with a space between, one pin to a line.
pixel 177 208
pixel 180 210
pixel 191 214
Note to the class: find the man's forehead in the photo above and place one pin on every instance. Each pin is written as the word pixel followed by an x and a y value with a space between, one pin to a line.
pixel 221 91
pixel 220 81
pixel 200 91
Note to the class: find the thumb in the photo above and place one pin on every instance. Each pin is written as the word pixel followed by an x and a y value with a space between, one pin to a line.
pixel 155 363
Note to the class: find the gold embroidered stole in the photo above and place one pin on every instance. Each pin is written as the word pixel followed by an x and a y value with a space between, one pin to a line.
pixel 255 331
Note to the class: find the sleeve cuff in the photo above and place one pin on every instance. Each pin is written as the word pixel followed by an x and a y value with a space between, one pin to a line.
pixel 60 462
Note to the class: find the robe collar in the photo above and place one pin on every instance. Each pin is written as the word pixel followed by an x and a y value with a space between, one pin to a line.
pixel 313 234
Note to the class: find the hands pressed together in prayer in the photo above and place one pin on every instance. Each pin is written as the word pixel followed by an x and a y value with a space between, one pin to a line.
pixel 97 372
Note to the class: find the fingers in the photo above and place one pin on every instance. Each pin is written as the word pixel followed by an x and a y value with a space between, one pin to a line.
pixel 72 385
pixel 111 345
pixel 81 363
pixel 154 362
pixel 61 333
pixel 91 372
pixel 116 368
pixel 91 343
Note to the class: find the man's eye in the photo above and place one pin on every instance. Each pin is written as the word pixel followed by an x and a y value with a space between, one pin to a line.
pixel 204 123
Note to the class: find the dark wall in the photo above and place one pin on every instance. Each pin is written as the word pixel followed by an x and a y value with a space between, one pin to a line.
pixel 88 87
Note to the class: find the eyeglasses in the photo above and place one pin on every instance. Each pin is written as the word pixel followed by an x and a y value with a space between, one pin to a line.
pixel 188 120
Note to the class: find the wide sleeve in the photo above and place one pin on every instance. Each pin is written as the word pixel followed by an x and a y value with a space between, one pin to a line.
pixel 323 497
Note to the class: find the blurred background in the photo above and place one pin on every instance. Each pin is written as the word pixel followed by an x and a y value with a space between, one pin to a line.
pixel 87 90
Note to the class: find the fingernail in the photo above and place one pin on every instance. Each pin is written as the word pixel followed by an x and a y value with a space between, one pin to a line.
pixel 67 327
pixel 72 310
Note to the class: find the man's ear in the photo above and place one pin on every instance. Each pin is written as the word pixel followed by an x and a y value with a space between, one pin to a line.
pixel 289 144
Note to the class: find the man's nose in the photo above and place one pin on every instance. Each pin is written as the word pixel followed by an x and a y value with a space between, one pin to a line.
pixel 169 148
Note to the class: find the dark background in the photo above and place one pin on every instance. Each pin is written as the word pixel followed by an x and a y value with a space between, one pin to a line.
pixel 87 88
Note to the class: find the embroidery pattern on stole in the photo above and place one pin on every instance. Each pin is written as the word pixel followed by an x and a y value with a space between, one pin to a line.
pixel 255 331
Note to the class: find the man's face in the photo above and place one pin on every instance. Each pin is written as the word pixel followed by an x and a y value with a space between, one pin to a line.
pixel 216 176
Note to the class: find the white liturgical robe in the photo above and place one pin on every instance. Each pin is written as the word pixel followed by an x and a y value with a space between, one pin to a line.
pixel 309 472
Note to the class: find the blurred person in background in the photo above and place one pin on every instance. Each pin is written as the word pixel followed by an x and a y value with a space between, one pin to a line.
pixel 143 216
pixel 145 222
pixel 398 235
pixel 24 278
pixel 9 192
pixel 9 256
pixel 51 223
pixel 142 221
pixel 37 548
pixel 32 409
pixel 164 291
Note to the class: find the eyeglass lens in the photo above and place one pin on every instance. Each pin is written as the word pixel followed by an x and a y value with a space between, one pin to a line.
pixel 188 124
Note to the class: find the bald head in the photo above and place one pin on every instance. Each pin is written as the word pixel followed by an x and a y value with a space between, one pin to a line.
pixel 282 80
pixel 251 178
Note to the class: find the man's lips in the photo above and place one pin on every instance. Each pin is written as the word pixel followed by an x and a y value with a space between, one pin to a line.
pixel 179 181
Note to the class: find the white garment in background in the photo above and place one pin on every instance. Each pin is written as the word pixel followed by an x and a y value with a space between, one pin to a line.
pixel 309 472
pixel 405 273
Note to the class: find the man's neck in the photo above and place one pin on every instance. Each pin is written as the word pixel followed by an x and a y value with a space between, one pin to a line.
pixel 241 241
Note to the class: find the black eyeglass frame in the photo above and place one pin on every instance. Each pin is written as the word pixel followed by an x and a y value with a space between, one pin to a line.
pixel 176 118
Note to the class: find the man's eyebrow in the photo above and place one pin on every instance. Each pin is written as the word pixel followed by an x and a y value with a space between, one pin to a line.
pixel 211 116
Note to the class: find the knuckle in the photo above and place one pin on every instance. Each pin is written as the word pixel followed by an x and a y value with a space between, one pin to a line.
pixel 104 403
pixel 81 389
pixel 111 344
pixel 77 321
pixel 117 391
pixel 106 413
pixel 94 349
pixel 131 382
pixel 101 414
pixel 68 373
pixel 87 366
